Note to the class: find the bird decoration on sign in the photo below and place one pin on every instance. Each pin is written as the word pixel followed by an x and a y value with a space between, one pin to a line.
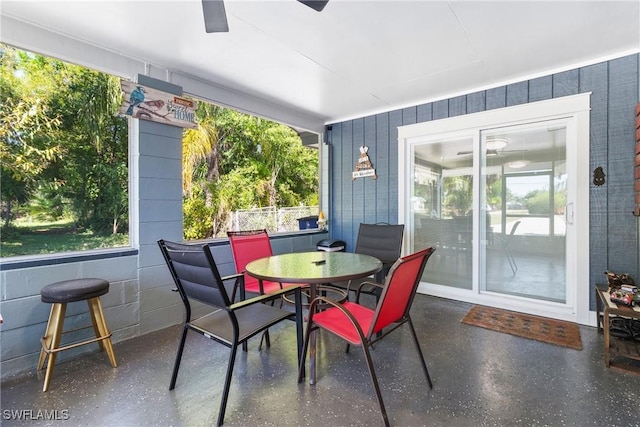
pixel 142 102
pixel 364 167
pixel 136 97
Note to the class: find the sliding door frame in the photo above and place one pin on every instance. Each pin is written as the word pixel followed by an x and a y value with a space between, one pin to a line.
pixel 575 109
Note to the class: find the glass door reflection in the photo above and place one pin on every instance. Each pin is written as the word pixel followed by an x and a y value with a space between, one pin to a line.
pixel 524 192
pixel 520 238
pixel 442 207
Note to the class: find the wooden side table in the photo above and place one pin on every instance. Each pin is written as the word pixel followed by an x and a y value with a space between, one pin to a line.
pixel 616 350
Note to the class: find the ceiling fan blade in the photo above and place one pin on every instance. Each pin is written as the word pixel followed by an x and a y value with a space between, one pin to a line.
pixel 215 17
pixel 316 5
pixel 491 152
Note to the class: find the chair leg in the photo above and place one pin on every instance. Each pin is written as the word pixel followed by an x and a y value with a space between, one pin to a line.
pixel 227 384
pixel 424 365
pixel 243 296
pixel 305 347
pixel 512 263
pixel 97 316
pixel 52 340
pixel 264 337
pixel 176 364
pixel 374 380
pixel 299 322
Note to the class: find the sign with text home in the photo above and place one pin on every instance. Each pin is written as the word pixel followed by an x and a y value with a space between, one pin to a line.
pixel 145 103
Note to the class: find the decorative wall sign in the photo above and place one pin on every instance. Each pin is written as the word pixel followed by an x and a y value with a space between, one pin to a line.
pixel 364 167
pixel 598 176
pixel 145 103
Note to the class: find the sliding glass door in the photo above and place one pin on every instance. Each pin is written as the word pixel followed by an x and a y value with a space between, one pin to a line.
pixel 524 194
pixel 497 199
pixel 442 203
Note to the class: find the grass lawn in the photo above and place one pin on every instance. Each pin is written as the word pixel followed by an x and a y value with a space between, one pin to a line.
pixel 32 237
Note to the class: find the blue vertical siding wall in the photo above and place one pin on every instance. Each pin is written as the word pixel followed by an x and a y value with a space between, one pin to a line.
pixel 615 87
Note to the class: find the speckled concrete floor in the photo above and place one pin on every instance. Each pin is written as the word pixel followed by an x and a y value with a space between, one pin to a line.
pixel 481 378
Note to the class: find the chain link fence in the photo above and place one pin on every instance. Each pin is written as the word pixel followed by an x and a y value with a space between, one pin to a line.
pixel 270 218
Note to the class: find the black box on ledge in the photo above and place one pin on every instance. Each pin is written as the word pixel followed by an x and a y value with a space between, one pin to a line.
pixel 329 245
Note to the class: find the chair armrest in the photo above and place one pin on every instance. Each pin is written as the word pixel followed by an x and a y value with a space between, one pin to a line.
pixel 342 309
pixel 324 300
pixel 232 276
pixel 374 284
pixel 239 283
pixel 263 298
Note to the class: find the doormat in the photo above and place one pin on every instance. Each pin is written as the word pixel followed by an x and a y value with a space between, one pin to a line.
pixel 558 332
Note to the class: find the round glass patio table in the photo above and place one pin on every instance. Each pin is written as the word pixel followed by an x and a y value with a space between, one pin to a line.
pixel 314 268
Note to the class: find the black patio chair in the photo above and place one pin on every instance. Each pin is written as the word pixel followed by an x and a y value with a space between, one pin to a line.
pixel 383 241
pixel 197 278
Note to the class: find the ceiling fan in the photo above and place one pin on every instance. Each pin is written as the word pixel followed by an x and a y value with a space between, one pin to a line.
pixel 494 147
pixel 491 152
pixel 215 17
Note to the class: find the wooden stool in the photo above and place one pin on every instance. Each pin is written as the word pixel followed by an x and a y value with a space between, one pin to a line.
pixel 61 293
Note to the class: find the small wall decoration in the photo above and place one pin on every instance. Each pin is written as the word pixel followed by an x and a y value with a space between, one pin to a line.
pixel 145 103
pixel 598 176
pixel 364 167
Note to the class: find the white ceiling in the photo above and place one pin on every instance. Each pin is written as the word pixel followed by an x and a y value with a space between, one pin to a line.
pixel 355 58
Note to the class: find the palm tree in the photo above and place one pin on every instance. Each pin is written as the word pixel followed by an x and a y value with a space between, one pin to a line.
pixel 201 145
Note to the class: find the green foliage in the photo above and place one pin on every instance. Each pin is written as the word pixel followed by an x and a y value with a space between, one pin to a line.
pixel 537 202
pixel 237 190
pixel 240 161
pixel 13 191
pixel 494 190
pixel 559 202
pixel 32 237
pixel 457 195
pixel 63 147
pixel 64 155
pixel 197 217
pixel 27 129
pixel 46 203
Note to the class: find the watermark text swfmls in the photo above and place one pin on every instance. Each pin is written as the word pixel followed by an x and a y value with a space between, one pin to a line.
pixel 35 414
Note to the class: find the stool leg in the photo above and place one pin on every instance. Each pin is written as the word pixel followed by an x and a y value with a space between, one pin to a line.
pixel 95 307
pixel 52 340
pixel 46 339
pixel 94 321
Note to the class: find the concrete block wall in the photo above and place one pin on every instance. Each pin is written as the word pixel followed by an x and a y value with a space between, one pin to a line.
pixel 25 315
pixel 130 309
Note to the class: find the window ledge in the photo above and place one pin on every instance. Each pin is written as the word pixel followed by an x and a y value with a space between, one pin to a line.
pixel 225 241
pixel 28 261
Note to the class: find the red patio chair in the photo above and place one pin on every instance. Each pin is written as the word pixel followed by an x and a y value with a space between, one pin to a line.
pixel 247 246
pixel 250 245
pixel 363 326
